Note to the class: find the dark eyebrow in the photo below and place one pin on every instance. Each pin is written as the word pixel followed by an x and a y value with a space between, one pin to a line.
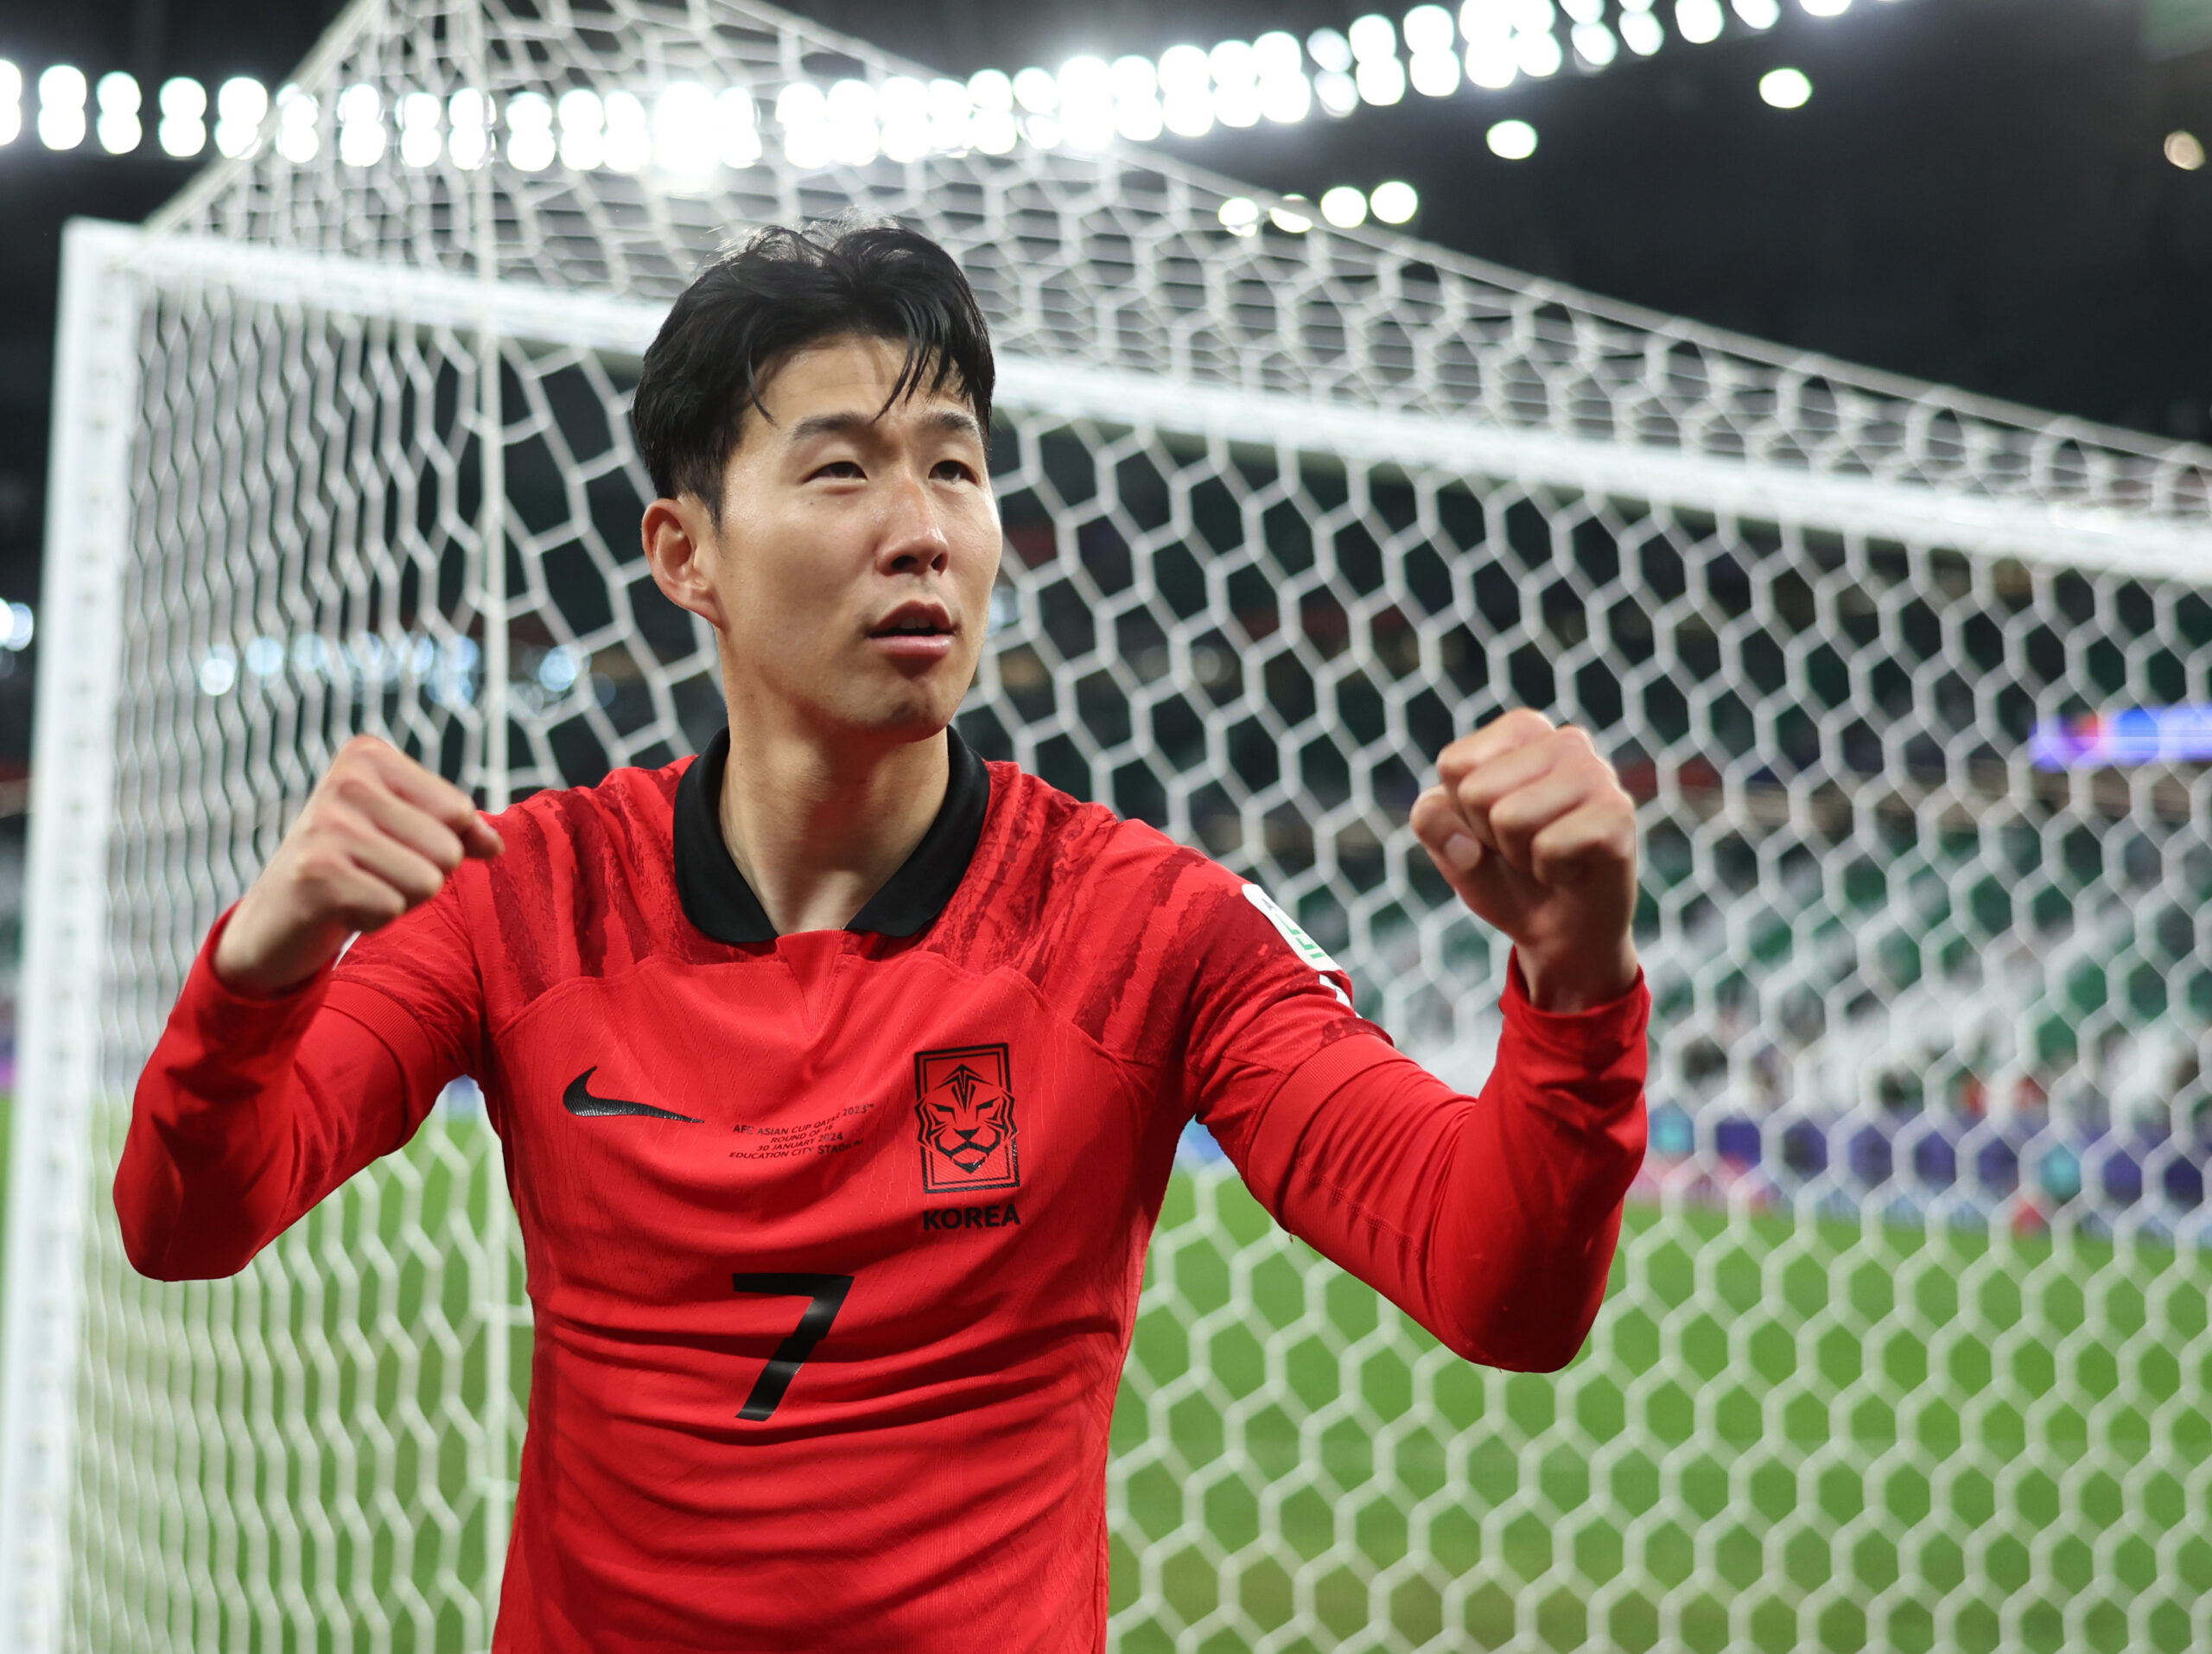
pixel 957 422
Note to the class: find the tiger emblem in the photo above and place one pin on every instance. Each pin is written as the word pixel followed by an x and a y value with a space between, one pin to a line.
pixel 963 1099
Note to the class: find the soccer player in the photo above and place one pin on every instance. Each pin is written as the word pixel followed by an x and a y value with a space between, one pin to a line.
pixel 839 1073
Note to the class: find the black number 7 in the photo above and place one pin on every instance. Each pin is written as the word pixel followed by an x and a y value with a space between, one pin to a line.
pixel 828 1292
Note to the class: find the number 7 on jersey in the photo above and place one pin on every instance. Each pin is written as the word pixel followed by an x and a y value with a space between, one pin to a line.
pixel 826 1293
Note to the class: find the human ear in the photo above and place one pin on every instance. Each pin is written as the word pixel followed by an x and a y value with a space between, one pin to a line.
pixel 681 548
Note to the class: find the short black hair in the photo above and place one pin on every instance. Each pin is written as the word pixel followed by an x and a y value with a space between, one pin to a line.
pixel 786 287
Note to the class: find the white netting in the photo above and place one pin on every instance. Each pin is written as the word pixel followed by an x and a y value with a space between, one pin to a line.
pixel 1908 1339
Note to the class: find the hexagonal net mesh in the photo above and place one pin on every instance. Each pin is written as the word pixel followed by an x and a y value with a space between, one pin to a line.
pixel 1908 1341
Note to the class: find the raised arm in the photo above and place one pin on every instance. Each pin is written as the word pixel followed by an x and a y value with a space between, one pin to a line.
pixel 1492 1220
pixel 268 1087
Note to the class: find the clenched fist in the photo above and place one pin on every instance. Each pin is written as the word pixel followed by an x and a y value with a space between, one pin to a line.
pixel 379 836
pixel 1531 827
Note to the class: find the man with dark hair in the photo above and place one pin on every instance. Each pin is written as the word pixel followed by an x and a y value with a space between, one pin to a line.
pixel 839 1073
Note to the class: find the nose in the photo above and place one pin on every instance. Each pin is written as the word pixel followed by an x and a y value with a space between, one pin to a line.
pixel 914 541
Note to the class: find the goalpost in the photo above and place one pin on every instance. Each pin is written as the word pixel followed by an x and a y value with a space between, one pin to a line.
pixel 1908 1344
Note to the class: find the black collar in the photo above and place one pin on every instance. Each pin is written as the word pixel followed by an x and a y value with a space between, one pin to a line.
pixel 717 899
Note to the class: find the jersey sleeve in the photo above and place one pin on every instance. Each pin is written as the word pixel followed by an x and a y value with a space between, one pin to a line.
pixel 252 1109
pixel 1491 1220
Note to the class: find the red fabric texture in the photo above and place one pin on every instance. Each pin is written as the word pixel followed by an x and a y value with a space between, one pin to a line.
pixel 932 1476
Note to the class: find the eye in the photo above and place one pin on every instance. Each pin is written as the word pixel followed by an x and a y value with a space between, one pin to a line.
pixel 954 471
pixel 842 469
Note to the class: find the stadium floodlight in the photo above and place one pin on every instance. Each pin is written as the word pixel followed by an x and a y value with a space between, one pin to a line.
pixel 629 133
pixel 1493 61
pixel 1345 206
pixel 11 101
pixel 1285 95
pixel 1641 32
pixel 1186 91
pixel 902 114
pixel 1380 78
pixel 686 134
pixel 361 135
pixel 1086 102
pixel 737 124
pixel 183 130
pixel 117 96
pixel 1431 39
pixel 1394 201
pixel 1037 91
pixel 468 129
pixel 241 104
pixel 2185 150
pixel 1699 21
pixel 1286 218
pixel 1330 51
pixel 298 136
pixel 1138 115
pixel 1236 72
pixel 1239 215
pixel 1511 140
pixel 61 92
pixel 582 116
pixel 848 116
pixel 1758 14
pixel 1785 88
pixel 421 117
pixel 22 627
pixel 991 125
pixel 531 145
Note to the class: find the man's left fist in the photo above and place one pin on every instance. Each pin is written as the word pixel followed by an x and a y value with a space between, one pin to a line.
pixel 1532 828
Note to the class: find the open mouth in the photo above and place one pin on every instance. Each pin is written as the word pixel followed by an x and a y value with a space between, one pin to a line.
pixel 919 621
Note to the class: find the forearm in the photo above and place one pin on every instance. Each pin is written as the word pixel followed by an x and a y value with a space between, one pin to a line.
pixel 238 1127
pixel 1491 1220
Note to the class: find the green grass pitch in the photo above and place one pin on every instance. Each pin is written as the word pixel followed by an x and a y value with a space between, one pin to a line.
pixel 1789 1435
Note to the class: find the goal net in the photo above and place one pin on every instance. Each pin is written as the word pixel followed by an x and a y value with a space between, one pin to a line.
pixel 1906 1346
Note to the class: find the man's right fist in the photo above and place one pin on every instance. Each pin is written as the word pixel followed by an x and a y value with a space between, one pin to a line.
pixel 380 837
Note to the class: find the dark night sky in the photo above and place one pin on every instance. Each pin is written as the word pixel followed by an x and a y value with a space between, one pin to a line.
pixel 1976 193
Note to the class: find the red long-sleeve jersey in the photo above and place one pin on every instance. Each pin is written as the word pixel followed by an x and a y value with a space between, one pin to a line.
pixel 834 1239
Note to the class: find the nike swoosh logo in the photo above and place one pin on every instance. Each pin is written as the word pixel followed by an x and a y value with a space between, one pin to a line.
pixel 578 1100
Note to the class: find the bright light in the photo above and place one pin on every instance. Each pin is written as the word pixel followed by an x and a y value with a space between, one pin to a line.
pixel 117 97
pixel 219 670
pixel 183 130
pixel 1086 86
pixel 1640 31
pixel 1428 29
pixel 584 129
pixel 1330 51
pixel 1594 44
pixel 683 133
pixel 1240 215
pixel 558 671
pixel 1785 88
pixel 296 138
pixel 1825 8
pixel 1699 21
pixel 61 107
pixel 1538 54
pixel 11 101
pixel 23 627
pixel 1186 92
pixel 1511 140
pixel 1037 91
pixel 1337 92
pixel 849 116
pixel 530 147
pixel 1393 202
pixel 361 136
pixel 2184 150
pixel 737 125
pixel 419 137
pixel 1285 95
pixel 1345 206
pixel 1758 14
pixel 629 134
pixel 1380 81
pixel 469 113
pixel 1284 217
pixel 1435 74
pixel 989 89
pixel 241 104
pixel 1373 37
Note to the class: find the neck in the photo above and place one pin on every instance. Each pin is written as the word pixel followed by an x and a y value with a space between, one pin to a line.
pixel 818 825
